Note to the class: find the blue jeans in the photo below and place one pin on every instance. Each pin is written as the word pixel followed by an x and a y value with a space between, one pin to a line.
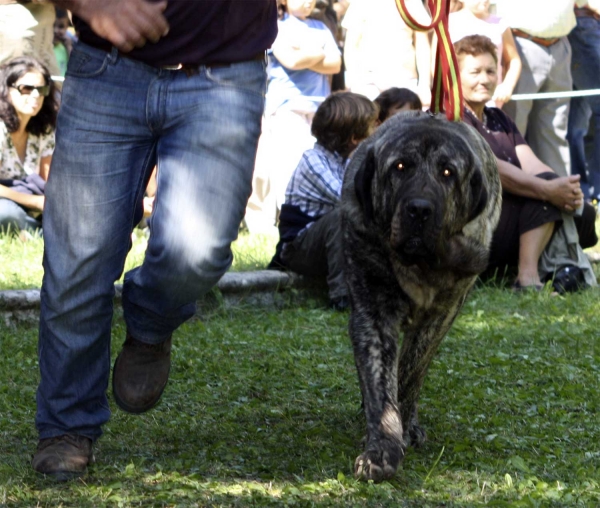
pixel 585 43
pixel 14 218
pixel 119 118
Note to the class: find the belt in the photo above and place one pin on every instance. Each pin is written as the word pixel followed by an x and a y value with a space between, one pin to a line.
pixel 581 12
pixel 542 41
pixel 191 69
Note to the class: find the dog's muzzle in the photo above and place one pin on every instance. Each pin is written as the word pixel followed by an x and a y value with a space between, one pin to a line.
pixel 413 229
pixel 419 211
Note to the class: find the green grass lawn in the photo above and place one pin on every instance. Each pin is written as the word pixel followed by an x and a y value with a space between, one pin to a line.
pixel 21 262
pixel 263 409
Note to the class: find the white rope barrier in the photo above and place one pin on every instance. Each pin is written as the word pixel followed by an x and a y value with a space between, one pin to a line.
pixel 554 95
pixel 515 97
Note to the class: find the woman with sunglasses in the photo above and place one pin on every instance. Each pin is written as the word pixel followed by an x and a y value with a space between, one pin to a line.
pixel 27 120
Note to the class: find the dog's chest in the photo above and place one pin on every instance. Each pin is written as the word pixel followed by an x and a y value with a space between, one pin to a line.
pixel 429 290
pixel 415 286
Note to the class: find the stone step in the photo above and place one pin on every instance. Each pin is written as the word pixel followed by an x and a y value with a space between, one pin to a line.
pixel 259 288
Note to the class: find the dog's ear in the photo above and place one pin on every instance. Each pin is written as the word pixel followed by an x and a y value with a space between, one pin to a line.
pixel 362 184
pixel 479 195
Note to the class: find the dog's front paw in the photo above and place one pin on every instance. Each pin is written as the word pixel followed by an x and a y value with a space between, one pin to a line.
pixel 414 435
pixel 417 436
pixel 379 463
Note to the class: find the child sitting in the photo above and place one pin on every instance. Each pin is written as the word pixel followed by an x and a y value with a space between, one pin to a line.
pixel 309 225
pixel 394 100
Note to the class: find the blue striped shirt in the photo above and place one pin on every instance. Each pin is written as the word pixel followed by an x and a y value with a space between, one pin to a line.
pixel 316 185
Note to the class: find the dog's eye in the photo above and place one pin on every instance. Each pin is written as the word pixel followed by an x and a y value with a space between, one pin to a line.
pixel 446 172
pixel 400 166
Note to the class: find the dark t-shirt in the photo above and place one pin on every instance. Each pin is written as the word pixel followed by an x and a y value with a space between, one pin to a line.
pixel 204 32
pixel 500 132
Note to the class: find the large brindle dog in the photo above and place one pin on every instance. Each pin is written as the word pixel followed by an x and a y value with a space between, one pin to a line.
pixel 420 201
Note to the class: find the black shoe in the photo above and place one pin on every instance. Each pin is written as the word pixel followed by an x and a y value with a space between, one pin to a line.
pixel 340 304
pixel 140 374
pixel 64 457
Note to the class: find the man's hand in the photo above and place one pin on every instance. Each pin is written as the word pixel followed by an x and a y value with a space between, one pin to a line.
pixel 564 193
pixel 502 94
pixel 127 24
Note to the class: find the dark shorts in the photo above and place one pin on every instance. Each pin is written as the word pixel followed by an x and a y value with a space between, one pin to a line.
pixel 520 215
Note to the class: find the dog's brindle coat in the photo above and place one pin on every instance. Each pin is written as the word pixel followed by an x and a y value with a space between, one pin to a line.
pixel 420 201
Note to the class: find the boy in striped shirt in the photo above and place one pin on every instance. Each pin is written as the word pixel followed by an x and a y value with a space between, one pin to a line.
pixel 309 224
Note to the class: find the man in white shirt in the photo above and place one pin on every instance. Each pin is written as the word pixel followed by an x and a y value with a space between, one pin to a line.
pixel 540 28
pixel 381 51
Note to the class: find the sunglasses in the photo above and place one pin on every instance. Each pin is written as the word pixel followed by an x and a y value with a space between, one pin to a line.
pixel 44 91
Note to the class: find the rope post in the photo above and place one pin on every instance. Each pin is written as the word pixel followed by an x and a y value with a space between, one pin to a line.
pixel 446 93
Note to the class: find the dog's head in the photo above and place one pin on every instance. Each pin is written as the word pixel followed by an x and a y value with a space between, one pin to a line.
pixel 419 180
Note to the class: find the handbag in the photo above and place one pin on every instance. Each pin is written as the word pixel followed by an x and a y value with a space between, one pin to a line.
pixel 567 279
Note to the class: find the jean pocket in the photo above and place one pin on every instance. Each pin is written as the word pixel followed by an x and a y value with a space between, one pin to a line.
pixel 84 65
pixel 247 76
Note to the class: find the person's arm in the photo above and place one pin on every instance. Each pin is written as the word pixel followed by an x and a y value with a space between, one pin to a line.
pixel 423 61
pixel 297 58
pixel 127 24
pixel 564 193
pixel 530 162
pixel 27 200
pixel 44 170
pixel 332 61
pixel 150 194
pixel 511 61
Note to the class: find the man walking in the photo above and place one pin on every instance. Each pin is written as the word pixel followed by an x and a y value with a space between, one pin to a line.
pixel 179 85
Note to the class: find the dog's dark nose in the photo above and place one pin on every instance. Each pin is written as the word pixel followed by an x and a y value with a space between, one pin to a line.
pixel 419 209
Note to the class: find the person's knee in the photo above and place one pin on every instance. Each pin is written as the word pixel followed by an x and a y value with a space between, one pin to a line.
pixel 193 267
pixel 12 216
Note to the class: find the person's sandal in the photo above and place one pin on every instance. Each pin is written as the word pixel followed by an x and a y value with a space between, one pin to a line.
pixel 517 287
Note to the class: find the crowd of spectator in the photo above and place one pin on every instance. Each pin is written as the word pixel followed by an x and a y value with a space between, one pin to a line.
pixel 337 70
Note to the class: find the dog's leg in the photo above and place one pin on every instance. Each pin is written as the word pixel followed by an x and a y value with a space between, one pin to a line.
pixel 418 349
pixel 414 434
pixel 375 343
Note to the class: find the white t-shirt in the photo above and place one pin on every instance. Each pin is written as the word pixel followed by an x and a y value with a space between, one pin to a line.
pixel 379 42
pixel 11 166
pixel 540 18
pixel 464 23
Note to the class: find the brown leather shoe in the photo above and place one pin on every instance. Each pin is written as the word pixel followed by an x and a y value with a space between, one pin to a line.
pixel 140 374
pixel 63 457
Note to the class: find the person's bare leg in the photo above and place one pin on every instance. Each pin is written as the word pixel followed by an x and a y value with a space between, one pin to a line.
pixel 531 246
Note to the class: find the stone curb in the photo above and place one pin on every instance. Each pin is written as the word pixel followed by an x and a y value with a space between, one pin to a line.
pixel 263 288
pixel 258 288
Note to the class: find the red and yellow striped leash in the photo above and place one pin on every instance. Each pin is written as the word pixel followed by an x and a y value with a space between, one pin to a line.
pixel 446 93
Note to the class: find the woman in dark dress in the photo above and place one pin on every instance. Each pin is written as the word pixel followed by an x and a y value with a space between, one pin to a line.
pixel 533 195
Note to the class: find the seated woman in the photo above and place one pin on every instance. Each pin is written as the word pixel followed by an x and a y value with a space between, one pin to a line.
pixel 27 121
pixel 533 195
